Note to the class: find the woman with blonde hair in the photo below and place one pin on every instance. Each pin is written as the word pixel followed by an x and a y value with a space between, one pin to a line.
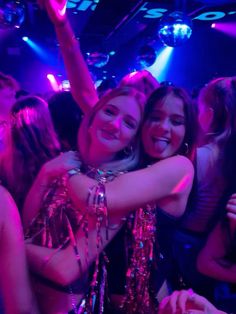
pixel 51 217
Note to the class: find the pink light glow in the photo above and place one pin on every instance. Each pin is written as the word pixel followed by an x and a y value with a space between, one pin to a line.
pixel 181 185
pixel 53 82
pixel 227 28
pixel 213 25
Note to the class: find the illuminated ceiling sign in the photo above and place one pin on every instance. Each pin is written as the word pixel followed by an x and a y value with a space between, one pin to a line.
pixel 82 5
pixel 149 12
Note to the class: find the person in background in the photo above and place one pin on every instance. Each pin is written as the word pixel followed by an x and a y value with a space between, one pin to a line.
pixel 217 259
pixel 8 90
pixel 15 287
pixel 66 116
pixel 31 141
pixel 215 164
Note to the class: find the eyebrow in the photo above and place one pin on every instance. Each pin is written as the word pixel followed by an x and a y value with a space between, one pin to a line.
pixel 131 117
pixel 173 114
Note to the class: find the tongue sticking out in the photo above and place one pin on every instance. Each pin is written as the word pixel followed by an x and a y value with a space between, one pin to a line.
pixel 160 145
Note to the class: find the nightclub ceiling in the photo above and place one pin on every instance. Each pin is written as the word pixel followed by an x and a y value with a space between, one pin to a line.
pixel 120 29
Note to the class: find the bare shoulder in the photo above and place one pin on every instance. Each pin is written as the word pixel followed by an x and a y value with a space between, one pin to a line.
pixel 5 197
pixel 177 163
pixel 7 205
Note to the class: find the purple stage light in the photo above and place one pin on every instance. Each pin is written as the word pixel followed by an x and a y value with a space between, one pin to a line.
pixel 226 28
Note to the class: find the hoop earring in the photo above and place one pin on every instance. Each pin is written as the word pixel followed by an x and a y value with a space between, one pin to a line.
pixel 128 150
pixel 186 148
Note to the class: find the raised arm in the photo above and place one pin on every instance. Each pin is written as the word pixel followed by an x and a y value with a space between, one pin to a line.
pixel 165 183
pixel 15 287
pixel 82 86
pixel 211 260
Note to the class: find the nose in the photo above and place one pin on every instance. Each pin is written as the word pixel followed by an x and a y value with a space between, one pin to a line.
pixel 164 125
pixel 116 123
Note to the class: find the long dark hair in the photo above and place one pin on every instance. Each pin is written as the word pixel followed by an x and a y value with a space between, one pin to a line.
pixel 32 142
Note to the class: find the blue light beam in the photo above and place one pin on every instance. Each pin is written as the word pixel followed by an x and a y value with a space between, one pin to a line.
pixel 161 66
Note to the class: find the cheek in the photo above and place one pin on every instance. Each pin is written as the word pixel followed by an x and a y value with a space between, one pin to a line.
pixel 179 136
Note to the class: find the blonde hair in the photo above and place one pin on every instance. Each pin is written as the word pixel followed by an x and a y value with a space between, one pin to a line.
pixel 122 161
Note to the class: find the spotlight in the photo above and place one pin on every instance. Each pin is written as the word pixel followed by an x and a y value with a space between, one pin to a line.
pixel 175 29
pixel 97 59
pixel 13 14
pixel 25 38
pixel 53 82
pixel 213 25
pixel 146 56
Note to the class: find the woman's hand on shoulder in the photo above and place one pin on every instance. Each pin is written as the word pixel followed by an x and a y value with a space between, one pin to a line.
pixel 61 164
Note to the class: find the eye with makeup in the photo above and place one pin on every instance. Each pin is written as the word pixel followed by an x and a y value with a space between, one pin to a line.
pixel 130 123
pixel 177 121
pixel 109 110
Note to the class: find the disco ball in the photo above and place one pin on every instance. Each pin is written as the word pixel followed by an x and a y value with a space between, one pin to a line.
pixel 146 56
pixel 175 29
pixel 97 59
pixel 12 14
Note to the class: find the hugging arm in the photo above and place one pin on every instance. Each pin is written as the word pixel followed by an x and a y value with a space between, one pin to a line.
pixel 167 179
pixel 61 266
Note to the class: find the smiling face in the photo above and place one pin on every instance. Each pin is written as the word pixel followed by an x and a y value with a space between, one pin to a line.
pixel 114 126
pixel 164 130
